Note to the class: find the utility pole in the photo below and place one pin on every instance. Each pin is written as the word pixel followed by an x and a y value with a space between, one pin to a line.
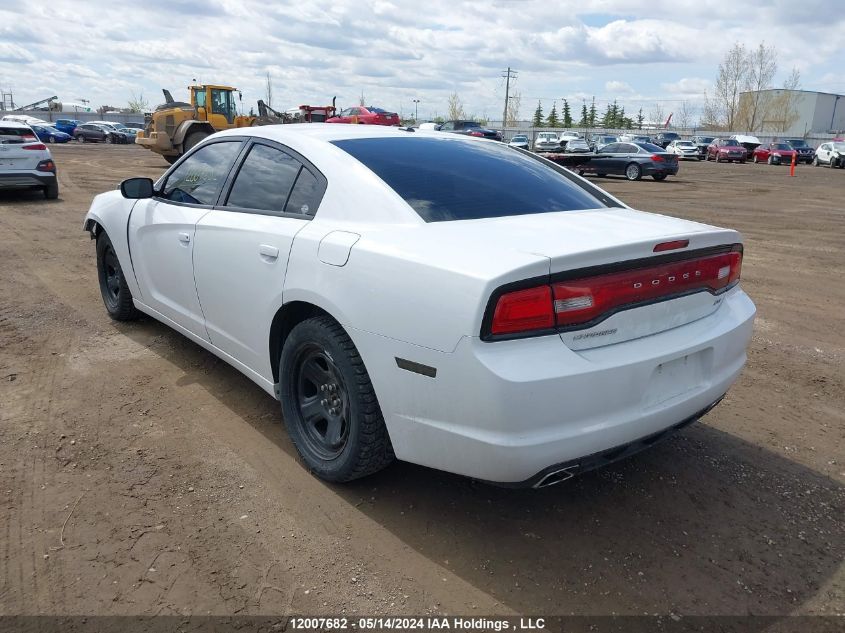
pixel 416 113
pixel 508 74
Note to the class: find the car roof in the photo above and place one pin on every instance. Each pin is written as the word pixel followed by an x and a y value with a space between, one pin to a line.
pixel 13 123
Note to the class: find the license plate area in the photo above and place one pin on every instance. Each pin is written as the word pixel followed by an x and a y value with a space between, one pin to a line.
pixel 675 378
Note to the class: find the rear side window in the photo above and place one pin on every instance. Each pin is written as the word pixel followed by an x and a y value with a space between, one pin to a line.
pixel 200 177
pixel 306 194
pixel 265 179
pixel 454 179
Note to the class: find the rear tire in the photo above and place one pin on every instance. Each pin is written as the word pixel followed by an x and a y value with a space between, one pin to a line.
pixel 116 294
pixel 659 177
pixel 51 191
pixel 770 161
pixel 756 159
pixel 329 404
pixel 633 171
pixel 80 138
pixel 171 159
pixel 815 161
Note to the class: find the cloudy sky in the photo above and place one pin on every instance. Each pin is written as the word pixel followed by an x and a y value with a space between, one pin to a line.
pixel 641 52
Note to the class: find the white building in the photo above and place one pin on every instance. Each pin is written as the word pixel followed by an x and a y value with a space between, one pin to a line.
pixel 799 111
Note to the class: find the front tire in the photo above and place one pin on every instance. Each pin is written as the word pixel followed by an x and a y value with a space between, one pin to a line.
pixel 329 404
pixel 633 171
pixel 116 294
pixel 52 139
pixel 815 161
pixel 80 138
pixel 192 139
pixel 109 139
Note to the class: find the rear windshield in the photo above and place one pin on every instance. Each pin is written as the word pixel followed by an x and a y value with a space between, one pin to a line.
pixel 453 179
pixel 14 134
pixel 649 147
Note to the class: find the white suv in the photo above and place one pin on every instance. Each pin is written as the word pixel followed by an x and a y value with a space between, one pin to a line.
pixel 25 162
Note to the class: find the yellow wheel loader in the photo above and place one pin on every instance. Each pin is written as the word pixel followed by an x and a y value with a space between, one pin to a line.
pixel 175 126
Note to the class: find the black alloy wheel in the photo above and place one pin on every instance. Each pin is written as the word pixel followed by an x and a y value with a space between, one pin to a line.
pixel 323 402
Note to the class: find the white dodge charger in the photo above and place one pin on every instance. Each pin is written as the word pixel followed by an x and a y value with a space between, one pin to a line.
pixel 440 299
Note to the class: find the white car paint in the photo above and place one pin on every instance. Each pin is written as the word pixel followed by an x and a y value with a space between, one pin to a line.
pixel 830 153
pixel 21 153
pixel 402 288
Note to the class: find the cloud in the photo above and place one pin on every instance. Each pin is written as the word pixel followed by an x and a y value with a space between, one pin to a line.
pixel 314 50
pixel 618 87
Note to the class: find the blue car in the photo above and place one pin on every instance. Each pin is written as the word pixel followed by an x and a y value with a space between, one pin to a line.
pixel 66 125
pixel 49 134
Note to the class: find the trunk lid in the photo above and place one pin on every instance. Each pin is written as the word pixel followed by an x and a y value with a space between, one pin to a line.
pixel 582 240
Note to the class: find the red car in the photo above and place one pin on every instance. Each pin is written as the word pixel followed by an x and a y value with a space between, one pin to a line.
pixel 726 149
pixel 774 154
pixel 368 115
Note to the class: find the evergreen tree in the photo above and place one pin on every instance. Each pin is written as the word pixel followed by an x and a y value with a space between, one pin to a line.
pixel 593 113
pixel 620 121
pixel 567 114
pixel 584 116
pixel 640 119
pixel 538 115
pixel 607 119
pixel 551 120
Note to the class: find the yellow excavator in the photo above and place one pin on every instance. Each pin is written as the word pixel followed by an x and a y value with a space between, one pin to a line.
pixel 176 126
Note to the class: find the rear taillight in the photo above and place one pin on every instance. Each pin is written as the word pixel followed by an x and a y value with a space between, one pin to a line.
pixel 582 302
pixel 524 311
pixel 476 133
pixel 35 146
pixel 657 158
pixel 46 165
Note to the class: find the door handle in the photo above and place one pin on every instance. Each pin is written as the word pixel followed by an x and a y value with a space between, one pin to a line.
pixel 184 237
pixel 268 252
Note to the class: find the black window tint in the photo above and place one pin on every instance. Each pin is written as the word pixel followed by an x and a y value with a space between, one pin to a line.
pixel 199 178
pixel 305 195
pixel 613 148
pixel 649 147
pixel 450 178
pixel 264 180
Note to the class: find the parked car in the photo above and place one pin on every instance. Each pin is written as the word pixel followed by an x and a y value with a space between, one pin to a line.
pixel 130 133
pixel 597 143
pixel 50 134
pixel 568 135
pixel 520 141
pixel 454 304
pixel 66 125
pixel 134 126
pixel 429 125
pixel 831 153
pixel 25 161
pixel 366 115
pixel 774 154
pixel 684 149
pixel 470 128
pixel 750 143
pixel 547 142
pixel 804 151
pixel 701 142
pixel 664 138
pixel 23 118
pixel 726 149
pixel 635 138
pixel 576 146
pixel 94 133
pixel 633 160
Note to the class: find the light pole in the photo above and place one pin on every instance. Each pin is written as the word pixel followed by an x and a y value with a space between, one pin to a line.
pixel 416 112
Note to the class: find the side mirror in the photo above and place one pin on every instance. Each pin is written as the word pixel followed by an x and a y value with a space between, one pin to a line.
pixel 137 188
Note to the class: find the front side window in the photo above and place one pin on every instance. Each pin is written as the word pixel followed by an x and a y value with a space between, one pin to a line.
pixel 222 103
pixel 449 178
pixel 264 180
pixel 200 177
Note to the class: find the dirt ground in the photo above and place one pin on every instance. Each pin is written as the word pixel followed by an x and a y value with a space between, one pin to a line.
pixel 141 475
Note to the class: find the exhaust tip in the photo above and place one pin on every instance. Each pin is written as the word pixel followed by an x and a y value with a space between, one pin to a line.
pixel 556 476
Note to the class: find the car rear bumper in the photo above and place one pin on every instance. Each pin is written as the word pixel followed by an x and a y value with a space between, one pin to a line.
pixel 656 169
pixel 25 179
pixel 510 412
